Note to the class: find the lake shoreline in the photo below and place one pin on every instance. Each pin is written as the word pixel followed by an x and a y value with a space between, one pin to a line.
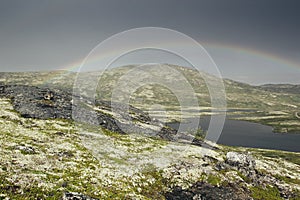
pixel 239 133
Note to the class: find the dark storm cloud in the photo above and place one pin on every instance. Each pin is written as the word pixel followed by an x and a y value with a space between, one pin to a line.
pixel 48 34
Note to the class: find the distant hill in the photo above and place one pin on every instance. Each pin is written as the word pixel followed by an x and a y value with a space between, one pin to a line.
pixel 282 88
pixel 274 105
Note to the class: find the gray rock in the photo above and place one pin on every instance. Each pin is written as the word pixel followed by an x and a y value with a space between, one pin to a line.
pixel 76 196
pixel 203 191
pixel 240 160
pixel 26 149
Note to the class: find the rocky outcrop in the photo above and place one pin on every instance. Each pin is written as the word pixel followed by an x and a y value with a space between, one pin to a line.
pixel 239 186
pixel 240 160
pixel 246 165
pixel 203 191
pixel 40 103
pixel 45 103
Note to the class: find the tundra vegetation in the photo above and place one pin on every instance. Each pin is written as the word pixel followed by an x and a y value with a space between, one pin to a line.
pixel 44 154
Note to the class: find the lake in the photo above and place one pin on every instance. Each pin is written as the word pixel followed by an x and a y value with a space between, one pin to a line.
pixel 249 134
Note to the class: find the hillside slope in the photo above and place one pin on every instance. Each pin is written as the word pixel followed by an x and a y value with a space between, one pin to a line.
pixel 270 104
pixel 54 157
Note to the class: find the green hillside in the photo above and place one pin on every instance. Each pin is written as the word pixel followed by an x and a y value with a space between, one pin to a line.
pixel 275 107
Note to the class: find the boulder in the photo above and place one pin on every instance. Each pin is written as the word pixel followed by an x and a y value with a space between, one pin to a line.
pixel 240 160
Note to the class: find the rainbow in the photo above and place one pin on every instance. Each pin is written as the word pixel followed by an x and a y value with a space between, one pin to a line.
pixel 274 59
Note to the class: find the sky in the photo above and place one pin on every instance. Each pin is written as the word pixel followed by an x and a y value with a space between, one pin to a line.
pixel 253 41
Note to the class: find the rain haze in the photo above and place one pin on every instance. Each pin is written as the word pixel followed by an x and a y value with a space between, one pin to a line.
pixel 255 42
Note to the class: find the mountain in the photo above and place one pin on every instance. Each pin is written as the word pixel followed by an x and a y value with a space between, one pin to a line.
pixel 59 145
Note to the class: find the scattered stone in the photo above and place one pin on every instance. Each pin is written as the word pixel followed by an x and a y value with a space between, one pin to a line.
pixel 67 154
pixel 202 190
pixel 221 166
pixel 76 196
pixel 59 133
pixel 64 184
pixel 48 96
pixel 26 149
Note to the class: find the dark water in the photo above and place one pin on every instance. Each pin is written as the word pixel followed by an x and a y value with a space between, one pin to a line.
pixel 248 134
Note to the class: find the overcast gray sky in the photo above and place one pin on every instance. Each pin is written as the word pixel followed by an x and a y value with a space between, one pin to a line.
pixel 253 41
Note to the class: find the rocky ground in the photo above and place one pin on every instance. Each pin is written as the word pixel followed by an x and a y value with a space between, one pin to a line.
pixel 44 154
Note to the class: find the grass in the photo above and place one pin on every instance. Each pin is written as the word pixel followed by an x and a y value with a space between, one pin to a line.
pixel 245 178
pixel 200 134
pixel 213 180
pixel 155 189
pixel 268 193
pixel 287 179
pixel 296 195
pixel 17 193
pixel 288 156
